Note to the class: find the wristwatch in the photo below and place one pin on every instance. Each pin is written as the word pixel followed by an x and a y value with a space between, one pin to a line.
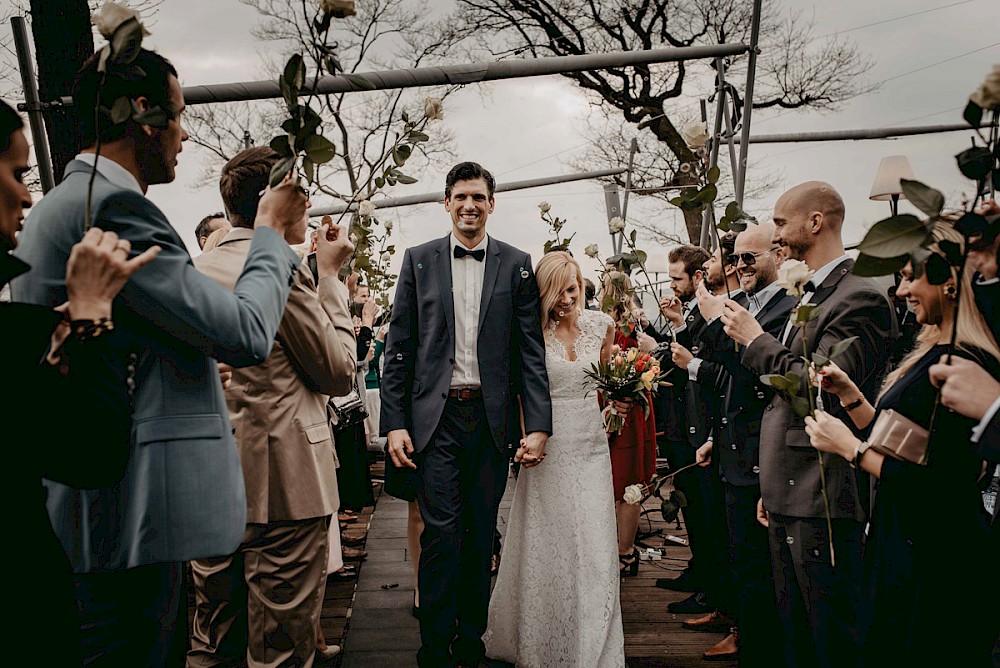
pixel 859 453
pixel 854 404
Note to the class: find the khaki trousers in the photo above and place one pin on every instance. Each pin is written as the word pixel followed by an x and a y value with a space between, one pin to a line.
pixel 262 604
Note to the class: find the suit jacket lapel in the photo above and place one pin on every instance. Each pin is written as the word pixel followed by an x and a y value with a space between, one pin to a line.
pixel 829 285
pixel 442 262
pixel 492 261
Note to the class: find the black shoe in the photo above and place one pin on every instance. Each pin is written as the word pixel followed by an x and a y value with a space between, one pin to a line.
pixel 683 582
pixel 696 603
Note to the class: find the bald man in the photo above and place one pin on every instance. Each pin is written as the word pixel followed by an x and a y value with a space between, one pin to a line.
pixel 817 600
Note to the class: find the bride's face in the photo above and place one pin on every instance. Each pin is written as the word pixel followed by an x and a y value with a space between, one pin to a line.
pixel 568 300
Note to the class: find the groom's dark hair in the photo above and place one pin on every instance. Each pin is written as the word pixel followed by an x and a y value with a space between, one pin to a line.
pixel 466 171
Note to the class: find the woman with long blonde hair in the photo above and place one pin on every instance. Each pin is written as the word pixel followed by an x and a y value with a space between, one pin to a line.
pixel 922 512
pixel 556 602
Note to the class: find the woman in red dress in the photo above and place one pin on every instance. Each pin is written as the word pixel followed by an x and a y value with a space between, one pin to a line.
pixel 633 451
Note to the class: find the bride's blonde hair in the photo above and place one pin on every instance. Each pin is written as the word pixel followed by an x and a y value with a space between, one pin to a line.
pixel 553 272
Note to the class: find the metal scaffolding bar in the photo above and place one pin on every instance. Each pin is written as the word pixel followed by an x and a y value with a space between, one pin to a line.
pixel 871 133
pixel 32 104
pixel 428 198
pixel 741 176
pixel 460 74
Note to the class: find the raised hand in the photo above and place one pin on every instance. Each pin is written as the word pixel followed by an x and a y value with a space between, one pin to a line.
pixel 832 379
pixel 333 247
pixel 681 356
pixel 709 305
pixel 739 324
pixel 98 268
pixel 671 307
pixel 283 209
pixel 966 387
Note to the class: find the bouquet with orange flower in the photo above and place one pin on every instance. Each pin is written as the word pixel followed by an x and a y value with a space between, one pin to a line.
pixel 628 376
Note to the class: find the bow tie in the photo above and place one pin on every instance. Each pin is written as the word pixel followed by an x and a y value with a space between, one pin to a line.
pixel 809 287
pixel 476 255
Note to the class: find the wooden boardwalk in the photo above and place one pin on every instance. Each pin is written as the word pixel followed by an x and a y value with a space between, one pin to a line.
pixel 370 617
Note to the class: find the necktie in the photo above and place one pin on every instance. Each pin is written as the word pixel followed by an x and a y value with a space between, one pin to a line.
pixel 476 255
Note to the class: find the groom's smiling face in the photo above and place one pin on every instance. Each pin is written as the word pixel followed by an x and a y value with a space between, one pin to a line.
pixel 470 205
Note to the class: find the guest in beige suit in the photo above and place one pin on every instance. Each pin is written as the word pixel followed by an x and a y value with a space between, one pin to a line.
pixel 263 602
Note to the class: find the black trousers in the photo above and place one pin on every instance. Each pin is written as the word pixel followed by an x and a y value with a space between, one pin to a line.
pixel 750 564
pixel 817 603
pixel 132 617
pixel 462 479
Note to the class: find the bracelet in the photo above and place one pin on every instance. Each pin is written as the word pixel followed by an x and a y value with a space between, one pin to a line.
pixel 854 404
pixel 84 330
pixel 859 453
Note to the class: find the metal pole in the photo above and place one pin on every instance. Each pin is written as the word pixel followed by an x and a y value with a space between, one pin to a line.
pixel 741 176
pixel 428 198
pixel 459 74
pixel 860 134
pixel 633 149
pixel 708 216
pixel 32 104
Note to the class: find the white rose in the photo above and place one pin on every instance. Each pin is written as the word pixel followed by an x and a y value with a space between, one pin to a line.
pixel 339 8
pixel 695 135
pixel 113 15
pixel 616 225
pixel 793 275
pixel 544 207
pixel 366 209
pixel 388 225
pixel 633 494
pixel 987 95
pixel 591 251
pixel 385 257
pixel 433 109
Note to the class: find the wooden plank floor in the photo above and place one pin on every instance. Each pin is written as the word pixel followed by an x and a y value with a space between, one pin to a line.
pixel 385 633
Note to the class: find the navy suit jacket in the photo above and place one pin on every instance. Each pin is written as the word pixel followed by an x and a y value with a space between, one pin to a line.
pixel 182 495
pixel 420 347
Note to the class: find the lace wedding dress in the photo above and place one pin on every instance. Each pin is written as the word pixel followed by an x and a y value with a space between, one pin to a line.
pixel 555 602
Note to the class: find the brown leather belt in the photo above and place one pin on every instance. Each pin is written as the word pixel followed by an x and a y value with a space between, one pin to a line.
pixel 465 393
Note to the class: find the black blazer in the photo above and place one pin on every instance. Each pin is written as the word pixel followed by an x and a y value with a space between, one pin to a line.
pixel 420 345
pixel 743 398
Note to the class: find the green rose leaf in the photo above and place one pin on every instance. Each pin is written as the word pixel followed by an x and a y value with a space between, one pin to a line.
pixel 840 347
pixel 679 498
pixel 820 361
pixel 713 174
pixel 333 65
pixel 777 381
pixel 708 194
pixel 309 168
pixel 154 118
pixel 416 136
pixel 669 510
pixel 971 225
pixel 975 163
pixel 895 236
pixel 973 114
pixel 937 269
pixel 379 182
pixel 804 313
pixel 319 149
pixel 866 265
pixel 801 406
pixel 280 170
pixel 281 146
pixel 952 252
pixel 121 110
pixel 404 179
pixel 923 197
pixel 295 72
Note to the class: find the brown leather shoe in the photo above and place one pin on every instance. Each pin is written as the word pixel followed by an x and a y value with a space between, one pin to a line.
pixel 713 622
pixel 727 648
pixel 353 539
pixel 354 554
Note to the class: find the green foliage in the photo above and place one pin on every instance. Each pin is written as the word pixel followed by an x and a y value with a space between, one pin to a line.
pixel 894 236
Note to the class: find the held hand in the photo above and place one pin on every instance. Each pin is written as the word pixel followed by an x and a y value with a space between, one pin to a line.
pixel 532 450
pixel 739 324
pixel 828 434
pixel 400 448
pixel 709 305
pixel 225 375
pixel 646 342
pixel 966 387
pixel 671 308
pixel 762 516
pixel 97 269
pixel 681 355
pixel 703 455
pixel 640 317
pixel 333 247
pixel 832 379
pixel 283 209
pixel 371 351
pixel 622 407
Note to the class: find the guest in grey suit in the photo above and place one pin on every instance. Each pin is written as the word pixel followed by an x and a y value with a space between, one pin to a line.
pixel 464 339
pixel 816 600
pixel 182 495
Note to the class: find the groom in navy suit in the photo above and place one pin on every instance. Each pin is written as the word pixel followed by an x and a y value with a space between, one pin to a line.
pixel 465 337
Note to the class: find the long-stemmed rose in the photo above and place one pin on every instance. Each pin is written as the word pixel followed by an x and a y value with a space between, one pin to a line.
pixel 555 225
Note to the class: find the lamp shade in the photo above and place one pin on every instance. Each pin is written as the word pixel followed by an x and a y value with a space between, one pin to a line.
pixel 657 263
pixel 890 171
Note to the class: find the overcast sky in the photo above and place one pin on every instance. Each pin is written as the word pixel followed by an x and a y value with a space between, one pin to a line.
pixel 530 128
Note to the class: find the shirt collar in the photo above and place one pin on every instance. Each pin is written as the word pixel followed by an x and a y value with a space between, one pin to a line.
pixel 112 171
pixel 763 296
pixel 480 246
pixel 823 272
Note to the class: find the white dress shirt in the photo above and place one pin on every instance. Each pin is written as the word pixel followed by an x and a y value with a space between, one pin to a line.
pixel 467 292
pixel 112 171
pixel 817 280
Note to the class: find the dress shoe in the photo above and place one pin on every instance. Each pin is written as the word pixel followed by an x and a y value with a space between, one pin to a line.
pixel 353 539
pixel 695 604
pixel 354 554
pixel 727 648
pixel 713 622
pixel 325 651
pixel 683 582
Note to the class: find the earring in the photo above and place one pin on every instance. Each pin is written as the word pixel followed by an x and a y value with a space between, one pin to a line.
pixel 950 292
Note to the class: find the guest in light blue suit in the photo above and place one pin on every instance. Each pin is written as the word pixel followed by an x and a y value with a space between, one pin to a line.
pixel 182 495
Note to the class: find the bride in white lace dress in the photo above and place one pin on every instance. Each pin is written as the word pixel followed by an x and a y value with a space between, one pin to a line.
pixel 555 602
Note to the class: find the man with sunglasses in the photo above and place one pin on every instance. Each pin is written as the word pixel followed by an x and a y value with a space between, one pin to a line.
pixel 734 452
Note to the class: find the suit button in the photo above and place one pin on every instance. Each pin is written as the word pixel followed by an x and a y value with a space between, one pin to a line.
pixel 790 540
pixel 399 356
pixel 444 395
pixel 791 482
pixel 760 394
pixel 695 350
pixel 734 446
pixel 816 552
pixel 770 407
pixel 756 469
pixel 692 430
pixel 725 420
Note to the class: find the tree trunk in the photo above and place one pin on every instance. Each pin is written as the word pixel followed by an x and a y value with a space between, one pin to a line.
pixel 63 41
